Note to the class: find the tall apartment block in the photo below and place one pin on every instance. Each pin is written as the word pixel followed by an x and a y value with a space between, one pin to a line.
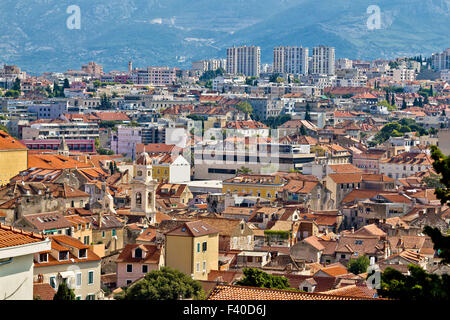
pixel 245 60
pixel 323 60
pixel 441 60
pixel 292 60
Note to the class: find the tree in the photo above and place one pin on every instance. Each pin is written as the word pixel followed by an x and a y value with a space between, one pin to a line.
pixel 245 107
pixel 254 277
pixel 244 170
pixel 307 116
pixel 3 128
pixel 12 93
pixel 97 143
pixel 404 106
pixel 442 165
pixel 441 243
pixel 359 265
pixel 105 102
pixel 16 86
pixel 303 131
pixel 417 286
pixel 102 151
pixel 64 292
pixel 66 84
pixel 274 77
pixel 164 284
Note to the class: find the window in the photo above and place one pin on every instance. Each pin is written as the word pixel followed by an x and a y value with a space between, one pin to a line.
pixel 113 232
pixel 78 279
pixel 204 246
pixel 63 255
pixel 82 253
pixel 138 199
pixel 342 256
pixel 103 234
pixel 204 265
pixel 129 268
pixel 78 298
pixel 305 289
pixel 86 240
pixel 198 267
pixel 90 297
pixel 144 268
pixel 91 277
pixel 129 281
pixel 43 257
pixel 139 173
pixel 198 246
pixel 53 282
pixel 138 253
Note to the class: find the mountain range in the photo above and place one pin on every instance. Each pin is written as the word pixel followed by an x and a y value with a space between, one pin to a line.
pixel 35 36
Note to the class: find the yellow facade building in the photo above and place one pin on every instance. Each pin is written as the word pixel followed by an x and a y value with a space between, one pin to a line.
pixel 264 186
pixel 13 157
pixel 193 248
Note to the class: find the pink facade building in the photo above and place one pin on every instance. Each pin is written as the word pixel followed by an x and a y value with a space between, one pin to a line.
pixel 369 162
pixel 125 139
pixel 136 260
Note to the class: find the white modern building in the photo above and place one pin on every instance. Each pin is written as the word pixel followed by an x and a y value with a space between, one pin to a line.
pixel 293 60
pixel 245 60
pixel 441 60
pixel 323 60
pixel 17 250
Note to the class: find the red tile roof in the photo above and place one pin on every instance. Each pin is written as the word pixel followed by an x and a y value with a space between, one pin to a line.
pixel 230 292
pixel 11 237
pixel 9 143
pixel 43 291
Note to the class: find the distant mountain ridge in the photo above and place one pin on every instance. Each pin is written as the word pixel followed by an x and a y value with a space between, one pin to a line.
pixel 176 32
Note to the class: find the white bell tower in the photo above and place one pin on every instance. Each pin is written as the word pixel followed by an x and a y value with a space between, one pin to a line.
pixel 143 187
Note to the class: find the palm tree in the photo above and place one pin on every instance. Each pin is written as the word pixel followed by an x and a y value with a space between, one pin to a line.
pixel 244 170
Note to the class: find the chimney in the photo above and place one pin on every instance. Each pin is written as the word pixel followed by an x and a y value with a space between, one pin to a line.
pixel 100 216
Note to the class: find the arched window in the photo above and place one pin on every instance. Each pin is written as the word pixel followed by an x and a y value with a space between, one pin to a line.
pixel 139 173
pixel 138 199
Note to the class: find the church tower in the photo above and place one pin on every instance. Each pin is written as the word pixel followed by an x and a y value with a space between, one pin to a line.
pixel 143 187
pixel 63 149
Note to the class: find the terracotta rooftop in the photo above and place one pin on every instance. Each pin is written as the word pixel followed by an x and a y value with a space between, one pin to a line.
pixel 11 237
pixel 50 161
pixel 230 292
pixel 43 291
pixel 193 229
pixel 151 253
pixel 9 143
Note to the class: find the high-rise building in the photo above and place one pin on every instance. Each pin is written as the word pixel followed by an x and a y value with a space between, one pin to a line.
pixel 290 60
pixel 245 60
pixel 323 60
pixel 441 60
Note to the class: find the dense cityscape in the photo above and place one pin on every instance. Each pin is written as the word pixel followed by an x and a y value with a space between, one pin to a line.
pixel 310 178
